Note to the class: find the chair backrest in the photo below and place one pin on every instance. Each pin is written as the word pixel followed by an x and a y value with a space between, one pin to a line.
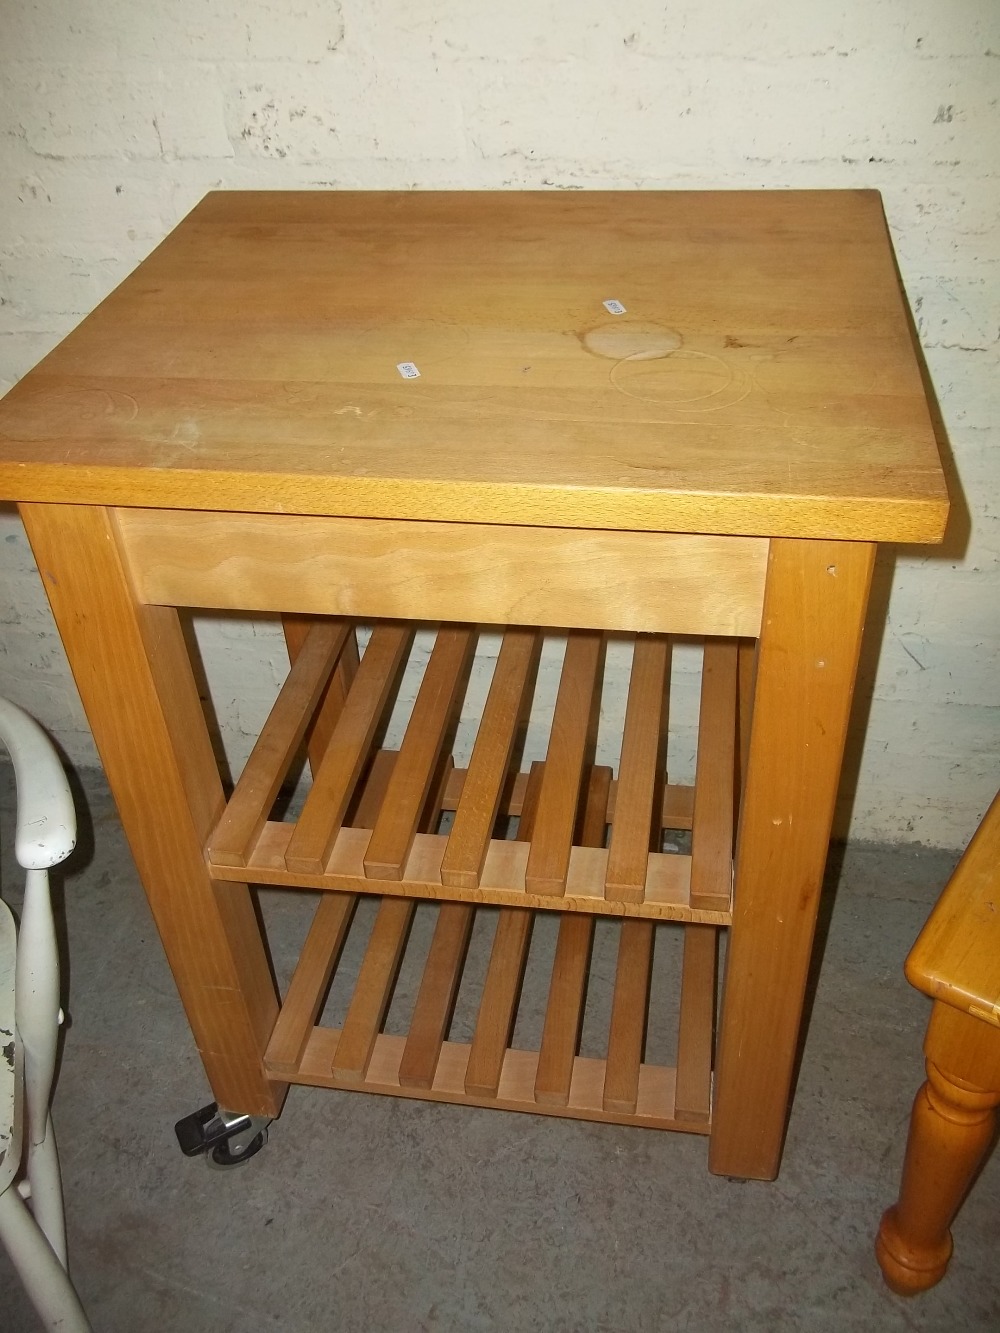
pixel 46 817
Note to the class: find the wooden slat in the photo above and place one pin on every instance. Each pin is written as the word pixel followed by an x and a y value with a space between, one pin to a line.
pixel 572 728
pixel 592 822
pixel 309 981
pixel 635 831
pixel 417 766
pixel 678 800
pixel 434 805
pixel 327 803
pixel 564 1011
pixel 696 1026
pixel 715 779
pixel 510 692
pixel 296 630
pixel 436 998
pixel 374 990
pixel 678 807
pixel 245 815
pixel 371 790
pixel 510 797
pixel 567 989
pixel 529 801
pixel 628 1016
pixel 499 1002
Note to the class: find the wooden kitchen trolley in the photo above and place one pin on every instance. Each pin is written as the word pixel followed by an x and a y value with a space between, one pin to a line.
pixel 597 416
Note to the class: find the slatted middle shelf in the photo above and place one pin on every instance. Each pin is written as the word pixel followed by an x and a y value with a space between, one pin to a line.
pixel 372 819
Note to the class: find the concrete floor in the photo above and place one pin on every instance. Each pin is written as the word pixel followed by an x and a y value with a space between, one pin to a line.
pixel 371 1213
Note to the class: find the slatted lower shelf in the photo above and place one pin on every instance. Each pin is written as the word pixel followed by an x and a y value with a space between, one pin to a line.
pixel 488 1071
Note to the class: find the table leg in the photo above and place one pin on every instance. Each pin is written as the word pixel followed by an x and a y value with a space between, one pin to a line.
pixel 814 607
pixel 134 676
pixel 953 1124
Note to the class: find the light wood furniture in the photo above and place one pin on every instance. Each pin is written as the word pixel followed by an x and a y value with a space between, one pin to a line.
pixel 956 961
pixel 232 429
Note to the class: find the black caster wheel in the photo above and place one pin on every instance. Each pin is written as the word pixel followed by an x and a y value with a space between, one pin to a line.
pixel 228 1140
pixel 229 1152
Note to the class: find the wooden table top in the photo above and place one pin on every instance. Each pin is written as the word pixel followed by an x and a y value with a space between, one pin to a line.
pixel 957 955
pixel 761 379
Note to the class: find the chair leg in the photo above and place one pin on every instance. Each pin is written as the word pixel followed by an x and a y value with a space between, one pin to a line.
pixel 49 1288
pixel 951 1129
pixel 37 1008
pixel 46 1190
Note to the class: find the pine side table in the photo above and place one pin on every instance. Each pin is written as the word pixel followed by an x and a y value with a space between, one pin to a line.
pixel 656 414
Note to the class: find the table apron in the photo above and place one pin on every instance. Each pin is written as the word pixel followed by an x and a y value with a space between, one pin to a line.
pixel 675 583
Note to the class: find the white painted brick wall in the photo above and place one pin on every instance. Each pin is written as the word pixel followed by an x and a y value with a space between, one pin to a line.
pixel 115 118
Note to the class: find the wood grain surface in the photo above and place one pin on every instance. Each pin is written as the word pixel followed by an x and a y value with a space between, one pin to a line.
pixel 957 955
pixel 681 583
pixel 762 379
pixel 814 612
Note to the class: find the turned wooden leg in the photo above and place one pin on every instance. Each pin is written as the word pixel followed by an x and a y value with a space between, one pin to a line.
pixel 951 1128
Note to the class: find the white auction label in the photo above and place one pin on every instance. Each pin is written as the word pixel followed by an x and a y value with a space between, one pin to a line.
pixel 614 307
pixel 408 370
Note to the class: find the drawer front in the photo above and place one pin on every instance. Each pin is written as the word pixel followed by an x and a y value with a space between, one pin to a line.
pixel 577 578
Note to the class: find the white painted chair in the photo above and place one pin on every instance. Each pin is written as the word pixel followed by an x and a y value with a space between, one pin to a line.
pixel 35 1237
